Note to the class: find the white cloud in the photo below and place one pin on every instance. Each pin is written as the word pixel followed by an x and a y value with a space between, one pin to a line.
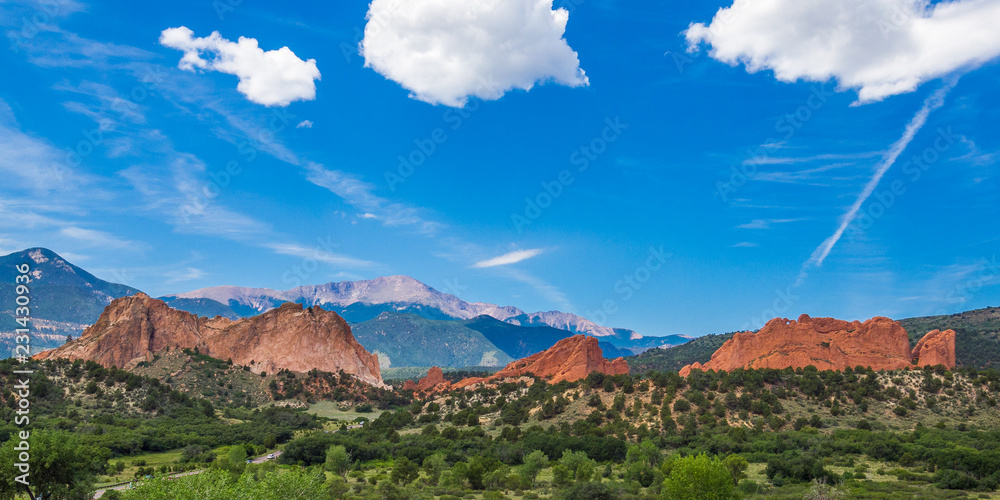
pixel 360 195
pixel 319 254
pixel 879 47
pixel 189 274
pixel 304 124
pixel 935 101
pixel 98 238
pixel 445 51
pixel 546 290
pixel 29 163
pixel 765 223
pixel 509 258
pixel 271 78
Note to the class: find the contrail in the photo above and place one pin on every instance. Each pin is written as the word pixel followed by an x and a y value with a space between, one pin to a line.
pixel 935 101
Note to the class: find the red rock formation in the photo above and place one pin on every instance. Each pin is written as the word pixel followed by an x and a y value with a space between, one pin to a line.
pixel 433 381
pixel 132 328
pixel 827 344
pixel 570 359
pixel 936 348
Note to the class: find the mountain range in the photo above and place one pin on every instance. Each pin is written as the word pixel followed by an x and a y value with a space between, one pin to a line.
pixel 405 339
pixel 389 315
pixel 359 301
pixel 65 299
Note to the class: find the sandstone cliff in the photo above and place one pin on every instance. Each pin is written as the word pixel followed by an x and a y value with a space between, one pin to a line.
pixel 570 359
pixel 829 344
pixel 936 348
pixel 431 381
pixel 132 329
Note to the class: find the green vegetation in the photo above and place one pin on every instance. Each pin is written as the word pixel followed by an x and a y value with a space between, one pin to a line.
pixel 397 376
pixel 61 466
pixel 259 483
pixel 673 359
pixel 745 434
pixel 977 340
pixel 409 340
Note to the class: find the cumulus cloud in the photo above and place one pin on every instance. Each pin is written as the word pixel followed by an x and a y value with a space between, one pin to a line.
pixel 879 47
pixel 271 78
pixel 445 51
pixel 509 258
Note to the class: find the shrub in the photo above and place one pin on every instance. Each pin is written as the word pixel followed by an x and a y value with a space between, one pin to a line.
pixel 682 405
pixel 698 477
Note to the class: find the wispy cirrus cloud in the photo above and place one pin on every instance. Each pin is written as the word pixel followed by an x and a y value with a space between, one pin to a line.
pixel 933 102
pixel 101 239
pixel 766 223
pixel 793 160
pixel 361 195
pixel 318 254
pixel 818 176
pixel 546 290
pixel 189 274
pixel 509 258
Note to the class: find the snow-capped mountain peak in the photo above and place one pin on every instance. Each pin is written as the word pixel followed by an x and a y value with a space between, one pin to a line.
pixel 401 291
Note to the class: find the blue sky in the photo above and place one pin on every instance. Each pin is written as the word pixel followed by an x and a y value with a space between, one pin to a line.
pixel 677 190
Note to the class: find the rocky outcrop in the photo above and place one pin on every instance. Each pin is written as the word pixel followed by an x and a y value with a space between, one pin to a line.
pixel 828 344
pixel 132 329
pixel 433 381
pixel 936 348
pixel 570 359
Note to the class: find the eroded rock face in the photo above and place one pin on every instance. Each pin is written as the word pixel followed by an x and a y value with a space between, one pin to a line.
pixel 132 328
pixel 434 380
pixel 936 348
pixel 828 344
pixel 570 359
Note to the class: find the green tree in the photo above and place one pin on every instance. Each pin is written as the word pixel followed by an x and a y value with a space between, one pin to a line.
pixel 698 478
pixel 534 463
pixel 404 471
pixel 236 458
pixel 60 467
pixel 737 466
pixel 561 476
pixel 434 465
pixel 641 462
pixel 338 461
